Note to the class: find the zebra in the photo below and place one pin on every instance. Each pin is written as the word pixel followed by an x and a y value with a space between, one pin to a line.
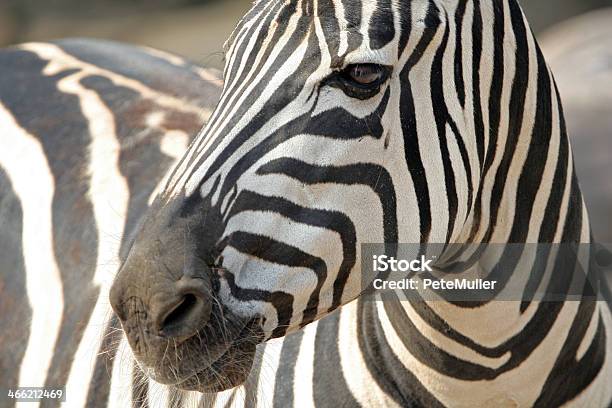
pixel 339 123
pixel 88 120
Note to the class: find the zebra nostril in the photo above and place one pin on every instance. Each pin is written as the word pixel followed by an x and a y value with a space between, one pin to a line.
pixel 183 319
pixel 181 313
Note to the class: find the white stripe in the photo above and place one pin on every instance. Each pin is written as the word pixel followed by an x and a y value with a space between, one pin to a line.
pixel 589 335
pixel 120 394
pixel 340 17
pixel 158 395
pixel 267 375
pixel 109 195
pixel 60 61
pixel 304 368
pixel 23 158
pixel 364 388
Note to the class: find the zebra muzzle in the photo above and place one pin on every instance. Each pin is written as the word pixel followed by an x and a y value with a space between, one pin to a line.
pixel 181 334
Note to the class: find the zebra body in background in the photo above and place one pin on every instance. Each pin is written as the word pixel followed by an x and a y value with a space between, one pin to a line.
pixel 340 123
pixel 89 128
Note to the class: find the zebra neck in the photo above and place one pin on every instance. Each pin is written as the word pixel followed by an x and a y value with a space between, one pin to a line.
pixel 427 353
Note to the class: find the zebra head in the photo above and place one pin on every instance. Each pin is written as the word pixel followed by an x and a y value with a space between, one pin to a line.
pixel 341 123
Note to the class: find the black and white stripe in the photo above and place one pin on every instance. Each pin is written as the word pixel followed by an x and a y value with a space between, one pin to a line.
pixel 465 142
pixel 89 129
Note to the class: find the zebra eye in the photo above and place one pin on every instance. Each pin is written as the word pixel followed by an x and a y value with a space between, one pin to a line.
pixel 360 81
pixel 364 74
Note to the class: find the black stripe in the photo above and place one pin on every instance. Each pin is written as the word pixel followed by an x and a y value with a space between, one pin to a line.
pixel 465 158
pixel 285 374
pixel 99 386
pixel 258 30
pixel 532 172
pixel 278 12
pixel 381 361
pixel 405 15
pixel 459 83
pixel 441 117
pixel 533 169
pixel 331 29
pixel 382 26
pixel 252 382
pixel 331 220
pixel 411 142
pixel 517 106
pixel 257 8
pixel 550 221
pixel 353 17
pixel 298 35
pixel 476 102
pixel 427 353
pixel 374 176
pixel 329 388
pixel 14 304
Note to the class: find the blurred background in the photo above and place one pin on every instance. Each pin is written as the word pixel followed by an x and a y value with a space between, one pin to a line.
pixel 193 28
pixel 576 36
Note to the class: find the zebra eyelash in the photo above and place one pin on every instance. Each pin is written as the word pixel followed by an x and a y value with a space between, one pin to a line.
pixel 342 80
